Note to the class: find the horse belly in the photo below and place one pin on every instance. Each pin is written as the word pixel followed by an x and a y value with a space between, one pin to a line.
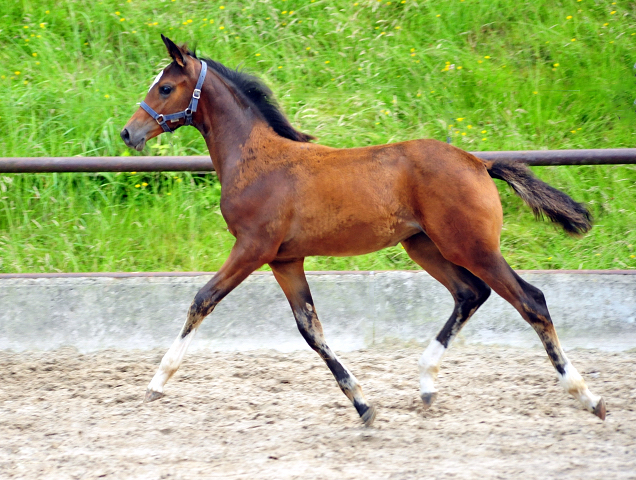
pixel 345 239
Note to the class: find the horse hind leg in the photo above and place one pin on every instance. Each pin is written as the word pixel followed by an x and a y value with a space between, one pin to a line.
pixel 291 278
pixel 469 293
pixel 530 303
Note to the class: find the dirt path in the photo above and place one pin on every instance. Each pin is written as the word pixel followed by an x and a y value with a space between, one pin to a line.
pixel 269 415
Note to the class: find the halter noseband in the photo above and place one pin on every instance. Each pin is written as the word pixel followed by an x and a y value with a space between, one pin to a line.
pixel 187 113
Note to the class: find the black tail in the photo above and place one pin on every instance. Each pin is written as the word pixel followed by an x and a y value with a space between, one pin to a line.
pixel 574 217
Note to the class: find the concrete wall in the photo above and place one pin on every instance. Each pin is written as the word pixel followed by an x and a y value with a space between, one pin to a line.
pixel 590 310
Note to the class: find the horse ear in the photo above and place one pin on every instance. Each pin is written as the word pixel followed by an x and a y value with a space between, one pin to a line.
pixel 174 51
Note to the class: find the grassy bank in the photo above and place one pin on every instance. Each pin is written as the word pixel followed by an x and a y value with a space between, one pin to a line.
pixel 490 75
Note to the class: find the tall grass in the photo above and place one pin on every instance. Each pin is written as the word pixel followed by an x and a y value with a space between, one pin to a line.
pixel 497 75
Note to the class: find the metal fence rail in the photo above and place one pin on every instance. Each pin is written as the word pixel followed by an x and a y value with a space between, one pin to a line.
pixel 612 156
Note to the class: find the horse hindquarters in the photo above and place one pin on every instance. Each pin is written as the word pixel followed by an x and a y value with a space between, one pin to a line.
pixel 466 228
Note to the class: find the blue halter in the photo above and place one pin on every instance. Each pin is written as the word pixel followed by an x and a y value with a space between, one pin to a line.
pixel 187 113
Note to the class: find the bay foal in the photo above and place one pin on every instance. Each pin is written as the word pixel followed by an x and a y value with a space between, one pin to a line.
pixel 284 199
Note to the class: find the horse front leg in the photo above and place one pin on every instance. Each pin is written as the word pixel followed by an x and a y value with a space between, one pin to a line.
pixel 291 278
pixel 236 268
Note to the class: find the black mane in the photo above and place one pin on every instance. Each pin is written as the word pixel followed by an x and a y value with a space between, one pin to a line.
pixel 261 96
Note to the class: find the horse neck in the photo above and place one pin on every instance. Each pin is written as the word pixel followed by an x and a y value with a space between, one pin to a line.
pixel 227 126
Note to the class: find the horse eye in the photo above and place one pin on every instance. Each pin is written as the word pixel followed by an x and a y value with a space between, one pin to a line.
pixel 165 90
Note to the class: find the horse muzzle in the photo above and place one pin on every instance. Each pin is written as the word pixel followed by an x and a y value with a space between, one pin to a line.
pixel 133 139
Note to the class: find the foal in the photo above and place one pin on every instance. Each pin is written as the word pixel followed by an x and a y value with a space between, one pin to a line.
pixel 285 199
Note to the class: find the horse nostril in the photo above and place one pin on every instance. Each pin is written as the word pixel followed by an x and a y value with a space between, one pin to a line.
pixel 125 136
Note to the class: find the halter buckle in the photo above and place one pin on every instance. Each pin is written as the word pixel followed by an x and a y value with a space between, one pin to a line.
pixel 159 118
pixel 197 93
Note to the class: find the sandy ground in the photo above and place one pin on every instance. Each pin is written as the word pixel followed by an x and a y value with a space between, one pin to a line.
pixel 269 415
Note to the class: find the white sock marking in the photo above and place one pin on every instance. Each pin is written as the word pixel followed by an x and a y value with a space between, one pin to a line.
pixel 171 361
pixel 429 366
pixel 574 384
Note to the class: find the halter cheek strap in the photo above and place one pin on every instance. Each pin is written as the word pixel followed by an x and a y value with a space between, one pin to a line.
pixel 187 113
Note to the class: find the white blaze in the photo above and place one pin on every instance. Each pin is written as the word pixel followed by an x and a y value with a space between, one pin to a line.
pixel 157 78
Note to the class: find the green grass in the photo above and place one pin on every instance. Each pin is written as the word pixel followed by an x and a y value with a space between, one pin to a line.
pixel 496 75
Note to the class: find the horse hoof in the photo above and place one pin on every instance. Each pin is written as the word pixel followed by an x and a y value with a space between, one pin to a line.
pixel 369 416
pixel 151 396
pixel 599 410
pixel 428 398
